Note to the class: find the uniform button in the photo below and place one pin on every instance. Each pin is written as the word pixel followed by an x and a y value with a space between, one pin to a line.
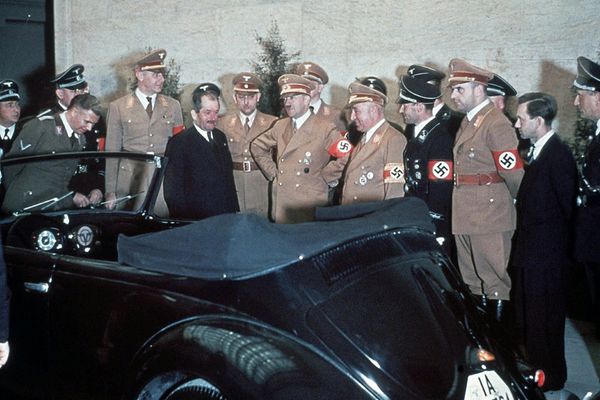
pixel 282 159
pixel 355 198
pixel 150 135
pixel 491 200
pixel 297 185
pixel 231 140
pixel 281 172
pixel 151 145
pixel 245 150
pixel 298 173
pixel 299 161
pixel 356 182
pixel 362 167
pixel 245 158
pixel 280 183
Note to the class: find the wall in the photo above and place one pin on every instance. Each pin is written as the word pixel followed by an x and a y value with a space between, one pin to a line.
pixel 534 44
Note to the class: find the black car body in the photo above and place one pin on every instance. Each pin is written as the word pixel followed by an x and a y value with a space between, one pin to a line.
pixel 360 305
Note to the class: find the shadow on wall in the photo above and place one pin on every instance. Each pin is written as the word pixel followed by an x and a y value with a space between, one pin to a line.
pixel 123 68
pixel 558 82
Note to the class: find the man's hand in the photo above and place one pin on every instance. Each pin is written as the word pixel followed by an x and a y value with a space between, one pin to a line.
pixel 110 200
pixel 95 196
pixel 80 200
pixel 4 350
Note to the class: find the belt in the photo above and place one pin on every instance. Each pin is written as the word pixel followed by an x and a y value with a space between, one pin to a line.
pixel 246 166
pixel 477 179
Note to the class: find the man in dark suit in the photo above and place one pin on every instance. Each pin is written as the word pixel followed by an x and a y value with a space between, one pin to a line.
pixel 545 208
pixel 587 85
pixel 428 154
pixel 10 112
pixel 199 174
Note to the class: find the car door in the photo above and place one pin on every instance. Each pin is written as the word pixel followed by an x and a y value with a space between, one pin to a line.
pixel 29 277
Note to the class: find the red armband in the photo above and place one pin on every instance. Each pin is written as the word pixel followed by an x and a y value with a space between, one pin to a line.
pixel 440 170
pixel 340 148
pixel 507 160
pixel 101 143
pixel 178 129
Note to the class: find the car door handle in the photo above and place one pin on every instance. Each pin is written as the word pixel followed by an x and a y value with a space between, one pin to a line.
pixel 37 287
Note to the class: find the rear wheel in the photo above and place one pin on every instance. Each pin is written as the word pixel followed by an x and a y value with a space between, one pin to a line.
pixel 196 389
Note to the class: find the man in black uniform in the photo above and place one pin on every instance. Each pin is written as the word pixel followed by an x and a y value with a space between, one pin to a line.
pixel 428 154
pixel 587 85
pixel 10 112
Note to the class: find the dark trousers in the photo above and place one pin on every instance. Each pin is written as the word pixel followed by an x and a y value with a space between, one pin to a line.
pixel 592 272
pixel 540 313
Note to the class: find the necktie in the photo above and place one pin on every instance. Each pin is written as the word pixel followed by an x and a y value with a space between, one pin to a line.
pixel 312 109
pixel 149 107
pixel 295 128
pixel 530 154
pixel 247 126
pixel 73 139
pixel 5 137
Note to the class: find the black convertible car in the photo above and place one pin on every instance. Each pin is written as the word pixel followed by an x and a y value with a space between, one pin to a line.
pixel 127 304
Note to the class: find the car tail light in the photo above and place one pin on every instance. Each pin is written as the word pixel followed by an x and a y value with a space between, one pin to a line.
pixel 539 378
pixel 485 356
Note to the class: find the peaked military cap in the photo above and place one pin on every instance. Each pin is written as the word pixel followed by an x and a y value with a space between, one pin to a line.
pixel 153 61
pixel 498 86
pixel 360 93
pixel 426 73
pixel 312 71
pixel 374 83
pixel 294 84
pixel 72 78
pixel 9 90
pixel 418 90
pixel 246 82
pixel 207 87
pixel 461 72
pixel 588 75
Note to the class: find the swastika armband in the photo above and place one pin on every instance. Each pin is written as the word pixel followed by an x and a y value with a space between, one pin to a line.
pixel 340 148
pixel 507 160
pixel 440 170
pixel 393 173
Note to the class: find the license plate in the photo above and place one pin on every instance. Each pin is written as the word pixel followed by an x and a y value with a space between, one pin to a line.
pixel 487 385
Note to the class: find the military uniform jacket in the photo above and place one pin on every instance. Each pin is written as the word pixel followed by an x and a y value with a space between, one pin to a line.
pixel 198 176
pixel 332 114
pixel 376 168
pixel 35 182
pixel 130 129
pixel 486 144
pixel 304 169
pixel 588 234
pixel 252 187
pixel 429 171
pixel 450 118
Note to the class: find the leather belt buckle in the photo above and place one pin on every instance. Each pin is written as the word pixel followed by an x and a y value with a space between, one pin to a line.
pixel 246 166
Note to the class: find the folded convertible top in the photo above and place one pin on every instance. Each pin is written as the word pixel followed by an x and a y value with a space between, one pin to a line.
pixel 231 246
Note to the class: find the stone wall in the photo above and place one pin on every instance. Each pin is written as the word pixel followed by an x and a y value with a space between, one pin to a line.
pixel 532 43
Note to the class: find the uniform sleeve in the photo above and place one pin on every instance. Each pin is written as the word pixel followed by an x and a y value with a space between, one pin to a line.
pixel 25 144
pixel 564 182
pixel 177 114
pixel 174 180
pixel 114 142
pixel 332 172
pixel 393 170
pixel 439 196
pixel 4 300
pixel 502 141
pixel 262 148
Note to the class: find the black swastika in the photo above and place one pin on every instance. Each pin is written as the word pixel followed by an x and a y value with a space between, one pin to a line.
pixel 507 160
pixel 440 170
pixel 396 172
pixel 343 146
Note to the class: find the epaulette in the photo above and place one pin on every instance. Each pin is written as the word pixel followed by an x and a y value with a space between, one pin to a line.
pixel 45 112
pixel 45 117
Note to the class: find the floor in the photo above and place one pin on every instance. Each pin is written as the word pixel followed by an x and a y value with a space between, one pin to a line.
pixel 582 350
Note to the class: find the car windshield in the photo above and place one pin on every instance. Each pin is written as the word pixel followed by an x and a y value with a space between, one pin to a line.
pixel 50 183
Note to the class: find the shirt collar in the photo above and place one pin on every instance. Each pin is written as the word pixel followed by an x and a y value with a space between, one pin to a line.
pixel 63 118
pixel 202 132
pixel 316 106
pixel 436 109
pixel 243 117
pixel 301 120
pixel 11 130
pixel 371 131
pixel 471 114
pixel 419 127
pixel 539 144
pixel 142 97
pixel 598 127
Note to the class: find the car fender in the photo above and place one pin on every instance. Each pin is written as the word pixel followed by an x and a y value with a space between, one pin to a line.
pixel 241 357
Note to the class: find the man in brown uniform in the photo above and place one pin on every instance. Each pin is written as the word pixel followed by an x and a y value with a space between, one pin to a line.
pixel 315 73
pixel 304 170
pixel 488 171
pixel 141 121
pixel 241 127
pixel 376 168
